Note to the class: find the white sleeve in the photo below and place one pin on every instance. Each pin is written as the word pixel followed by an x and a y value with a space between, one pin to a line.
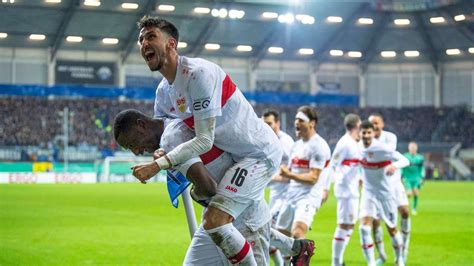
pixel 158 110
pixel 202 143
pixel 401 161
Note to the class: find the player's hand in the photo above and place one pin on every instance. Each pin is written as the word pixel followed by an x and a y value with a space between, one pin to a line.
pixel 325 196
pixel 145 171
pixel 158 153
pixel 390 170
pixel 284 171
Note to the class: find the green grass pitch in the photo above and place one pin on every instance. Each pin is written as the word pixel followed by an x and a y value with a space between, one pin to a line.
pixel 65 224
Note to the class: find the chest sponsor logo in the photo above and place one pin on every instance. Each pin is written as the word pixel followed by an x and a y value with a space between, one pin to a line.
pixel 201 104
pixel 181 103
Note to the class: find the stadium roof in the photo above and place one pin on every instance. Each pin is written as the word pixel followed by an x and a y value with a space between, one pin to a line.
pixel 428 27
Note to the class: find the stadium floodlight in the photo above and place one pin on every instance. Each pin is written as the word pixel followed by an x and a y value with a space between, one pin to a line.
pixel 201 10
pixel 413 53
pixel 365 21
pixel 244 48
pixel 336 52
pixel 74 39
pixel 401 21
pixel 3 35
pixel 110 40
pixel 8 1
pixel 437 20
pixel 166 8
pixel 236 14
pixel 355 54
pixel 37 37
pixel 388 54
pixel 212 46
pixel 182 45
pixel 92 3
pixel 286 18
pixel 306 51
pixel 334 19
pixel 222 13
pixel 471 50
pixel 305 19
pixel 52 1
pixel 269 15
pixel 453 51
pixel 275 50
pixel 129 5
pixel 460 17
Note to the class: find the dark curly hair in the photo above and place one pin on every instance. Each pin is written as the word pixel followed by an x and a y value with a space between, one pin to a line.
pixel 162 24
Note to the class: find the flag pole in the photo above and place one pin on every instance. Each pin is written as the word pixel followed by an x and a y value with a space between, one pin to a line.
pixel 189 209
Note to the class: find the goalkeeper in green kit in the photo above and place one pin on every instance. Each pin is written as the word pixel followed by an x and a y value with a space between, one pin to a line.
pixel 413 174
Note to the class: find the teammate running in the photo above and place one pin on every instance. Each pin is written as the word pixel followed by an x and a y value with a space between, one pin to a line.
pixel 413 175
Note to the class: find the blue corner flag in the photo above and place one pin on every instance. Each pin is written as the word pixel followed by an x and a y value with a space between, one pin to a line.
pixel 176 183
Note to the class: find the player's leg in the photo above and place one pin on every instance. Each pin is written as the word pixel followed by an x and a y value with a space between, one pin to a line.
pixel 388 210
pixel 379 244
pixel 275 206
pixel 347 210
pixel 367 213
pixel 203 251
pixel 416 186
pixel 284 225
pixel 259 241
pixel 242 185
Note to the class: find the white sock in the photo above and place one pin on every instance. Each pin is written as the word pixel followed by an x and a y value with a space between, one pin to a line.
pixel 233 244
pixel 367 244
pixel 338 244
pixel 282 242
pixel 397 244
pixel 346 242
pixel 406 227
pixel 276 256
pixel 378 235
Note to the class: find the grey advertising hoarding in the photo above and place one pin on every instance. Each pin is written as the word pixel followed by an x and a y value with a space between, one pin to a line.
pixel 79 72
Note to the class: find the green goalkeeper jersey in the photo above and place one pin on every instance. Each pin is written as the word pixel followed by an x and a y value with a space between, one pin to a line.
pixel 415 171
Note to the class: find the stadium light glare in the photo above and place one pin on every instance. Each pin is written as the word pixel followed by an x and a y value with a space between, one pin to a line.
pixel 236 14
pixel 334 19
pixel 354 54
pixel 336 52
pixel 74 39
pixel 413 53
pixel 201 10
pixel 460 17
pixel 401 21
pixel 212 46
pixel 275 50
pixel 306 51
pixel 286 18
pixel 244 48
pixel 129 5
pixel 52 1
pixel 37 37
pixel 471 50
pixel 182 45
pixel 305 19
pixel 3 35
pixel 388 54
pixel 94 3
pixel 166 8
pixel 110 40
pixel 453 51
pixel 222 13
pixel 437 20
pixel 365 21
pixel 269 15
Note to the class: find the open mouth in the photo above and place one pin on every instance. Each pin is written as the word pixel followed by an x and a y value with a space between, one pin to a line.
pixel 149 55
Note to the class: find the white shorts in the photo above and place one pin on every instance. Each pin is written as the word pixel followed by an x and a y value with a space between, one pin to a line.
pixel 275 209
pixel 243 185
pixel 347 210
pixel 385 209
pixel 298 211
pixel 401 195
pixel 203 251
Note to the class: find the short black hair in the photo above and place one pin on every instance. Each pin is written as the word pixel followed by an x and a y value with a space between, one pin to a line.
pixel 366 125
pixel 350 121
pixel 272 112
pixel 377 115
pixel 125 120
pixel 310 112
pixel 162 24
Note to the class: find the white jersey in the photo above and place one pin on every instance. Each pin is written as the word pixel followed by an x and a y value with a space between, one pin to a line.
pixel 375 159
pixel 286 142
pixel 389 139
pixel 344 167
pixel 314 153
pixel 216 162
pixel 201 90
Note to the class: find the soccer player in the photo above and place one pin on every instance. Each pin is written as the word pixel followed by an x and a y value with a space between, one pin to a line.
pixel 413 174
pixel 201 94
pixel 390 139
pixel 379 163
pixel 132 128
pixel 309 156
pixel 344 168
pixel 278 185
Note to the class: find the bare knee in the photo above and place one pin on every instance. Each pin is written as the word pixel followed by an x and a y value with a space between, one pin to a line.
pixel 404 212
pixel 368 221
pixel 346 226
pixel 392 231
pixel 299 230
pixel 375 223
pixel 214 217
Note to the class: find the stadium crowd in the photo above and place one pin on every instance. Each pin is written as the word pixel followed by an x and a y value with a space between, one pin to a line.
pixel 38 121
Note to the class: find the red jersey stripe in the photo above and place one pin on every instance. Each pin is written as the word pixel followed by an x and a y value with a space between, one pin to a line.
pixel 374 165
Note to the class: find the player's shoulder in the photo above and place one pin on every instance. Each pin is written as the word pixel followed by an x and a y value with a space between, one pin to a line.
pixel 389 135
pixel 320 143
pixel 285 137
pixel 196 64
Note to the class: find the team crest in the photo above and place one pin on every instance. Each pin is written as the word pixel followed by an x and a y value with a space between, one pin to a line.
pixel 181 103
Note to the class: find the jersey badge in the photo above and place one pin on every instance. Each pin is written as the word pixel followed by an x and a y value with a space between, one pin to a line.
pixel 181 103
